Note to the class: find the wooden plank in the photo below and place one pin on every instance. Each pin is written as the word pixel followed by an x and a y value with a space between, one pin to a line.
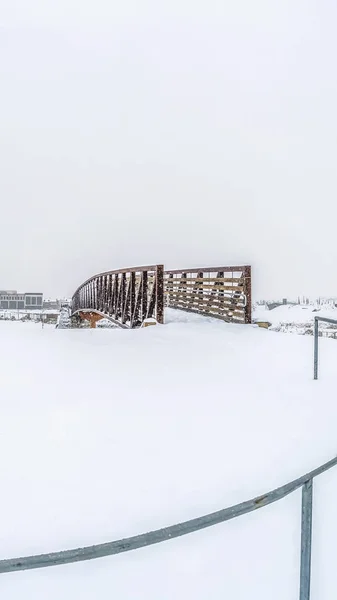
pixel 208 270
pixel 214 315
pixel 204 279
pixel 212 288
pixel 208 291
pixel 228 316
pixel 200 286
pixel 227 299
pixel 214 307
pixel 206 307
pixel 206 285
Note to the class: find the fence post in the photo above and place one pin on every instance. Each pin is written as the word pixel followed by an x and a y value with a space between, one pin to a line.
pixel 316 349
pixel 306 536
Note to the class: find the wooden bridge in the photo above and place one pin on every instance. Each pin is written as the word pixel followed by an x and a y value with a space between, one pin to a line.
pixel 128 297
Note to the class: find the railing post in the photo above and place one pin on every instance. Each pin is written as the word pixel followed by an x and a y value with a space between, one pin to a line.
pixel 306 536
pixel 316 349
pixel 248 293
pixel 159 294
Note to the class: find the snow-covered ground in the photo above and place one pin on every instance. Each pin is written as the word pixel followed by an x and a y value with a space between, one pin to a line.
pixel 294 314
pixel 33 314
pixel 109 433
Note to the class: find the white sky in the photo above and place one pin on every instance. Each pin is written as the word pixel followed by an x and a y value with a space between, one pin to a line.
pixel 188 133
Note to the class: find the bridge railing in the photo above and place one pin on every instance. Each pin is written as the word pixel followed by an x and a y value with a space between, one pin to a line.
pixel 220 292
pixel 168 533
pixel 126 296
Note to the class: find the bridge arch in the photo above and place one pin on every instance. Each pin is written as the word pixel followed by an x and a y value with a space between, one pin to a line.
pixel 126 296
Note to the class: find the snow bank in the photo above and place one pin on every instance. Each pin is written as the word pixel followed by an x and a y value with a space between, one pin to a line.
pixel 299 314
pixel 109 433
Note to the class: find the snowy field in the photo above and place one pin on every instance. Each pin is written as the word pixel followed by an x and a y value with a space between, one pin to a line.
pixel 297 314
pixel 110 433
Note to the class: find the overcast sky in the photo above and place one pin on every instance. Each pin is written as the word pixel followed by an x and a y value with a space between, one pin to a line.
pixel 191 133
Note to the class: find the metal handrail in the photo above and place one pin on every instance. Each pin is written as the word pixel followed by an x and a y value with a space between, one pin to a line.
pixel 323 320
pixel 160 535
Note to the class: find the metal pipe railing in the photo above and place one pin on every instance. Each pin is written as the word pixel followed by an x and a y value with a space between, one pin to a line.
pixel 316 335
pixel 168 533
pixel 306 538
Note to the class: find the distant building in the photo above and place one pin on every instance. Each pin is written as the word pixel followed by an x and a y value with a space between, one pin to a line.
pixel 12 300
